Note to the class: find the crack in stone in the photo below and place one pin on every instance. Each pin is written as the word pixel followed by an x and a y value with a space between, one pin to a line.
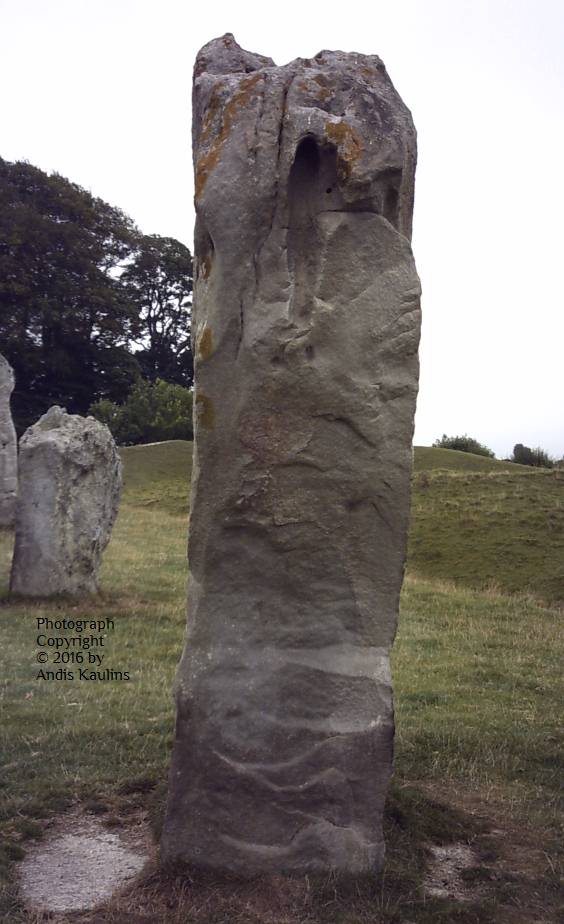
pixel 276 186
pixel 241 327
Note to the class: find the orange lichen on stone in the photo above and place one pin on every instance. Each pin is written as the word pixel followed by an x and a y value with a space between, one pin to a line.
pixel 205 343
pixel 238 101
pixel 325 90
pixel 212 110
pixel 205 411
pixel 369 72
pixel 349 147
pixel 317 88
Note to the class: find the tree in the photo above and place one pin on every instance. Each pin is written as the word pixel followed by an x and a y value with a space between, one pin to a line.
pixel 159 281
pixel 154 411
pixel 88 306
pixel 524 455
pixel 66 320
pixel 463 444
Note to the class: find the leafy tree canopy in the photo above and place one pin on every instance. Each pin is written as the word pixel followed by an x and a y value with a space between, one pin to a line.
pixel 80 319
pixel 154 411
pixel 159 281
pixel 463 444
pixel 524 455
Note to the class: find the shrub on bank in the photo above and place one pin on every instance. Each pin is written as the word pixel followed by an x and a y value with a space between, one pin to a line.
pixel 153 412
pixel 463 444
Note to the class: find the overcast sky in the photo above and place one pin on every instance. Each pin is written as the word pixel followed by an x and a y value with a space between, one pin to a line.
pixel 99 90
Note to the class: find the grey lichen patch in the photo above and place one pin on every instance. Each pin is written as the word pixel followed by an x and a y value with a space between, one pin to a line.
pixel 317 90
pixel 229 111
pixel 325 89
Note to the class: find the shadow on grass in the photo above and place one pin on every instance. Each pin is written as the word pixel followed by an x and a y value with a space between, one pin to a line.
pixel 396 896
pixel 413 823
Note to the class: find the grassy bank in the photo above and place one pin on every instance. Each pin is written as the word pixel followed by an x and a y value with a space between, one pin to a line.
pixel 497 529
pixel 428 458
pixel 478 700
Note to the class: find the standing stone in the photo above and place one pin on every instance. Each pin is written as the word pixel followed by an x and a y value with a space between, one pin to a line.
pixel 306 331
pixel 8 448
pixel 70 482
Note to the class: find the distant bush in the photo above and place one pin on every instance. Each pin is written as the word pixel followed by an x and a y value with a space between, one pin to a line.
pixel 463 444
pixel 524 455
pixel 153 412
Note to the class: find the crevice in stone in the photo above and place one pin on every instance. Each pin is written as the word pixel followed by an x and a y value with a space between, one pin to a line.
pixel 279 151
pixel 313 171
pixel 276 185
pixel 204 250
pixel 255 146
pixel 241 327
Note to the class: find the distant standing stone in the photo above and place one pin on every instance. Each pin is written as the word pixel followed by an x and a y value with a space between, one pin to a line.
pixel 8 448
pixel 69 489
pixel 306 330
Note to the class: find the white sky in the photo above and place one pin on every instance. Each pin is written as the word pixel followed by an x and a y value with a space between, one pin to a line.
pixel 99 90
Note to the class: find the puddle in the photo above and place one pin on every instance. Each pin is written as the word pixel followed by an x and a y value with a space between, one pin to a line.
pixel 444 878
pixel 78 865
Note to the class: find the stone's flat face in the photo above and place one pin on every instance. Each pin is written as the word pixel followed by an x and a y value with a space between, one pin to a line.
pixel 8 448
pixel 70 482
pixel 306 329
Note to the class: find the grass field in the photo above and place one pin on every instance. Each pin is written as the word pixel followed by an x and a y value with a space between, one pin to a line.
pixel 427 458
pixel 497 527
pixel 478 687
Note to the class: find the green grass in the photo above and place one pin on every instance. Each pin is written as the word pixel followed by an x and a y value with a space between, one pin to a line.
pixel 487 524
pixel 478 685
pixel 427 458
pixel 158 475
pixel 478 699
pixel 501 529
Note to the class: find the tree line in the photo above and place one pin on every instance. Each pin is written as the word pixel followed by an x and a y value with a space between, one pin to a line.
pixel 96 316
pixel 90 308
pixel 521 455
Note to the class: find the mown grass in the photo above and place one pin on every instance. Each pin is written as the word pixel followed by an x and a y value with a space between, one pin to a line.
pixel 428 458
pixel 492 529
pixel 158 476
pixel 481 522
pixel 478 701
pixel 478 685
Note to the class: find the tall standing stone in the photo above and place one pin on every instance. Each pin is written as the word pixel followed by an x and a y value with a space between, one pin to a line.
pixel 8 448
pixel 70 482
pixel 306 330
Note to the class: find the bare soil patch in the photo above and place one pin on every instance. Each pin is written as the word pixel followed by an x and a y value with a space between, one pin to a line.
pixel 80 863
pixel 444 878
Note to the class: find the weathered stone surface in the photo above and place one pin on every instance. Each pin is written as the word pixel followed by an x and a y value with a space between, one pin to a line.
pixel 8 448
pixel 70 482
pixel 306 331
